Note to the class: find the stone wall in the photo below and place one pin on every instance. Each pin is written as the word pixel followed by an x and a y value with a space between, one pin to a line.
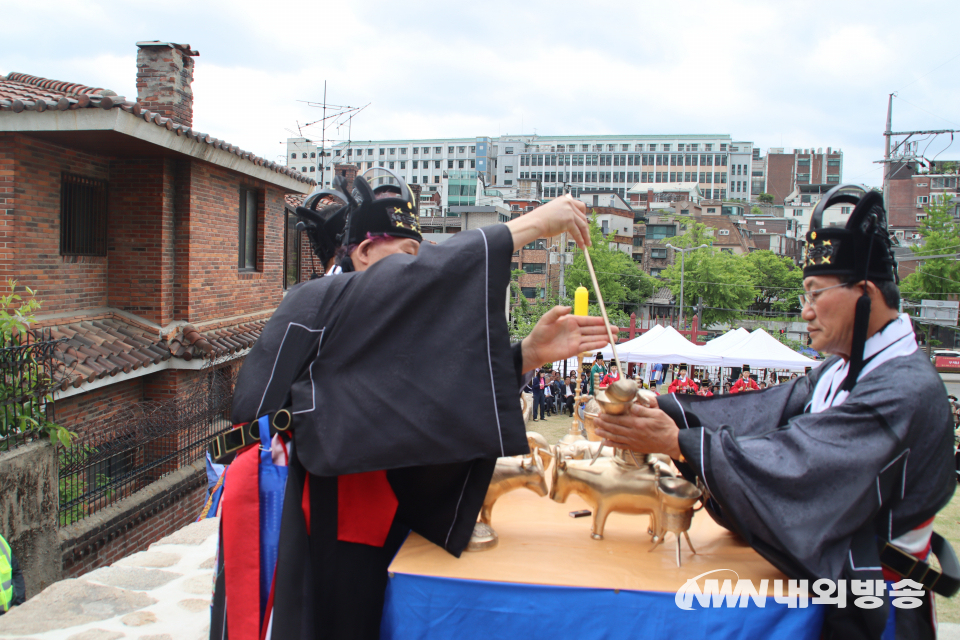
pixel 28 512
pixel 134 523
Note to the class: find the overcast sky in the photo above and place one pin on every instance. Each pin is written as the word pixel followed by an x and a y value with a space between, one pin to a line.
pixel 800 74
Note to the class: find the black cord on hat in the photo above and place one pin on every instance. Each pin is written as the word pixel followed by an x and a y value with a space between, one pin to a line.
pixel 861 319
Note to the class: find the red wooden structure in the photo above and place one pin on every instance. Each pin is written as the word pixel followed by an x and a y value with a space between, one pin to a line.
pixel 694 334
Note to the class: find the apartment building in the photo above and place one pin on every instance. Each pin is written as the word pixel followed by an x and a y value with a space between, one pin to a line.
pixel 801 202
pixel 612 163
pixel 783 172
pixel 909 195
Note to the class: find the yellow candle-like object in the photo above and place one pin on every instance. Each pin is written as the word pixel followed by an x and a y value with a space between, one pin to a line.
pixel 581 301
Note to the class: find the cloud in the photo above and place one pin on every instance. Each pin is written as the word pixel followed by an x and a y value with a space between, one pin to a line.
pixel 812 74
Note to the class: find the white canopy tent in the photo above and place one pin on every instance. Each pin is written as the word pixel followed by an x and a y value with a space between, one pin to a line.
pixel 762 350
pixel 667 346
pixel 727 340
pixel 631 345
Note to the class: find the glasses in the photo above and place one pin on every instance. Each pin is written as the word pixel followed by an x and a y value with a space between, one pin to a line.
pixel 810 297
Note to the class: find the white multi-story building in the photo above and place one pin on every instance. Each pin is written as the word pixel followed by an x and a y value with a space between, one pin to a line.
pixel 615 163
pixel 741 162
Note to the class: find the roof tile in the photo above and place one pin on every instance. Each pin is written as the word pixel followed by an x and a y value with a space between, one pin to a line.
pixel 104 347
pixel 22 92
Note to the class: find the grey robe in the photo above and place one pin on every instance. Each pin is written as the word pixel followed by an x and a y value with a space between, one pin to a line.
pixel 799 486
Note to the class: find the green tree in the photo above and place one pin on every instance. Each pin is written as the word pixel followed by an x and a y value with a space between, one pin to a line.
pixel 695 235
pixel 623 284
pixel 936 278
pixel 757 211
pixel 765 197
pixel 725 282
pixel 779 282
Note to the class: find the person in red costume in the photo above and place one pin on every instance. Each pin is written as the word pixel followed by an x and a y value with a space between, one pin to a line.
pixel 745 383
pixel 612 376
pixel 706 390
pixel 681 383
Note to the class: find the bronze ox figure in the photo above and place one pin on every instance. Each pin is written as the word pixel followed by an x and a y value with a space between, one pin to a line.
pixel 510 474
pixel 613 485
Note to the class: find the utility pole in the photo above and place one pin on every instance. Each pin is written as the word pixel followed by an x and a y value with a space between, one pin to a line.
pixel 682 254
pixel 886 152
pixel 563 261
pixel 563 251
pixel 323 135
pixel 889 151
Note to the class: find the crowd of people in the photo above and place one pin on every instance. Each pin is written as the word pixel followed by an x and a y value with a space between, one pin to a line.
pixel 554 394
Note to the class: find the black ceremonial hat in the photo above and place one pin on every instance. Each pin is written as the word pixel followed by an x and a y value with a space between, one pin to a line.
pixel 745 367
pixel 861 248
pixel 384 206
pixel 322 225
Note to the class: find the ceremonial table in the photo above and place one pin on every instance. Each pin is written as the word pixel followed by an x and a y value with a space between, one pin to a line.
pixel 548 578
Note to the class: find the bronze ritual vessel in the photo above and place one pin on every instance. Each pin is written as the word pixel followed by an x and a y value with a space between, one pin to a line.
pixel 512 473
pixel 625 484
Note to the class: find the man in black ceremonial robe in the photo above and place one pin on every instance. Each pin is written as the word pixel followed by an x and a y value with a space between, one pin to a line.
pixel 836 475
pixel 403 387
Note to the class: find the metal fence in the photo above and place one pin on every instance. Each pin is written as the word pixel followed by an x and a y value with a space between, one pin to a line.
pixel 27 372
pixel 137 447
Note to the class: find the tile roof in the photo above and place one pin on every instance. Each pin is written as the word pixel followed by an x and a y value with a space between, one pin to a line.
pixel 21 92
pixel 104 347
pixel 663 295
pixel 293 200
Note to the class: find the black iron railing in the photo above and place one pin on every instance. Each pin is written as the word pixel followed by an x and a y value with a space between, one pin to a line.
pixel 27 377
pixel 129 451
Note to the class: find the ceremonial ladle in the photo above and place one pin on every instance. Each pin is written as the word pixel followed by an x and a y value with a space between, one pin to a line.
pixel 622 393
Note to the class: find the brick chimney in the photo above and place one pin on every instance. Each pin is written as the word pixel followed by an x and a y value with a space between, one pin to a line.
pixel 164 79
pixel 348 171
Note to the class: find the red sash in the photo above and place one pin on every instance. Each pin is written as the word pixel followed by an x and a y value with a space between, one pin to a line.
pixel 366 506
pixel 240 526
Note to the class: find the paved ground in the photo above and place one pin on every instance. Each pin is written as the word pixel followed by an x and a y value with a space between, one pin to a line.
pixel 952 382
pixel 159 594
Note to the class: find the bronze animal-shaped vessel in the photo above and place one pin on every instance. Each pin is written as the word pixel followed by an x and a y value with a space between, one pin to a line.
pixel 510 474
pixel 526 406
pixel 615 485
pixel 608 487
pixel 580 449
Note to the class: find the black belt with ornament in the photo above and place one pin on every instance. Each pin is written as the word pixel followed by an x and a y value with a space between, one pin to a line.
pixel 945 581
pixel 243 435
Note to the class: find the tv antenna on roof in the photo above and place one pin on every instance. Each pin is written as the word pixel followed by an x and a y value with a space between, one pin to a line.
pixel 339 115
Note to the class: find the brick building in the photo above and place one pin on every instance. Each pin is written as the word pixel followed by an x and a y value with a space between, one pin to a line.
pixel 783 172
pixel 775 234
pixel 614 216
pixel 908 194
pixel 730 234
pixel 157 250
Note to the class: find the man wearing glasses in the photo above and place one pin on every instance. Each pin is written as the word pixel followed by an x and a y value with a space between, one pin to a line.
pixel 837 474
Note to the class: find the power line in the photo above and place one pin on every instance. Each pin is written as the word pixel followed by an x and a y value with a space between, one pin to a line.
pixel 928 73
pixel 687 279
pixel 925 111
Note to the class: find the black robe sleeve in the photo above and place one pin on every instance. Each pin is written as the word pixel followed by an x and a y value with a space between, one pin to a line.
pixel 406 367
pixel 414 365
pixel 800 487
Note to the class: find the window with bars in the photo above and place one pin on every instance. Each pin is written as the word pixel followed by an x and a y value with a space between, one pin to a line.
pixel 249 204
pixel 83 216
